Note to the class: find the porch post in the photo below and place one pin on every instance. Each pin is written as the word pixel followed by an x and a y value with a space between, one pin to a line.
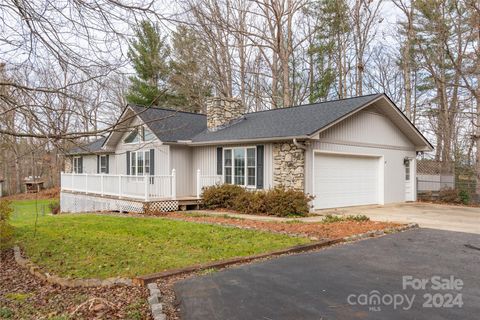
pixel 198 184
pixel 119 186
pixel 145 178
pixel 86 183
pixel 174 184
pixel 101 184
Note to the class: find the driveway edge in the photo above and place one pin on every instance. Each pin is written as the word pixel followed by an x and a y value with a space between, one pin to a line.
pixel 146 279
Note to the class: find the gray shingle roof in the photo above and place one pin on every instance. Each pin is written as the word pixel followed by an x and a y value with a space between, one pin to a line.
pixel 89 148
pixel 171 125
pixel 288 122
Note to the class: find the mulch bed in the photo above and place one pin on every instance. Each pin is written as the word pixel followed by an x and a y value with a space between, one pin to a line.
pixel 23 296
pixel 311 229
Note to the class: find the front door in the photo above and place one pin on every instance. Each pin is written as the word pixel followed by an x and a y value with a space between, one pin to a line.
pixel 409 187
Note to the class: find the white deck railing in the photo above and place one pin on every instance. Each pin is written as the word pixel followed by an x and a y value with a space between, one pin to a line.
pixel 123 186
pixel 206 181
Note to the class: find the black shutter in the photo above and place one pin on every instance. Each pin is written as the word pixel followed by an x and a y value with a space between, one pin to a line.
pixel 152 162
pixel 98 163
pixel 128 163
pixel 219 161
pixel 260 167
pixel 80 165
pixel 108 163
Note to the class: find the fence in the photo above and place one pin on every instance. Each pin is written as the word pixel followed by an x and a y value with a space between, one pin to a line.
pixel 122 186
pixel 435 176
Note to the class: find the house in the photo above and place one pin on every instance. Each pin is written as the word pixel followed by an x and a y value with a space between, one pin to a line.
pixel 348 152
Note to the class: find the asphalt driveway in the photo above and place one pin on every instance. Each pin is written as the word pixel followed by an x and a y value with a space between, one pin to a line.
pixel 427 215
pixel 342 282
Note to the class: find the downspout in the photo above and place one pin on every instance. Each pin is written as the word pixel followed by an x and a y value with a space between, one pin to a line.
pixel 299 145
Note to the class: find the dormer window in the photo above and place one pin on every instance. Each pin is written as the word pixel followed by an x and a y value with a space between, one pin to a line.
pixel 139 134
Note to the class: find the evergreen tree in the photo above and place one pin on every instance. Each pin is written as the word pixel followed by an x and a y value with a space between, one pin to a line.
pixel 190 72
pixel 328 51
pixel 150 55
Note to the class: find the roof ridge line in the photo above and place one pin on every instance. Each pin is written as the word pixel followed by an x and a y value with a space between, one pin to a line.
pixel 165 109
pixel 310 104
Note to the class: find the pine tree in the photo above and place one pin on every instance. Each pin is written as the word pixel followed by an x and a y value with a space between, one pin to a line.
pixel 150 55
pixel 328 51
pixel 190 72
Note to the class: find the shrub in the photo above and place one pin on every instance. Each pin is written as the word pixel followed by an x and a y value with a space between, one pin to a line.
pixel 279 201
pixel 251 202
pixel 282 202
pixel 448 195
pixel 6 229
pixel 54 207
pixel 464 196
pixel 331 219
pixel 357 218
pixel 221 196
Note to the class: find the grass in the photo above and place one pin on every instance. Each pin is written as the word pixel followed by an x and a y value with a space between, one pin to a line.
pixel 88 245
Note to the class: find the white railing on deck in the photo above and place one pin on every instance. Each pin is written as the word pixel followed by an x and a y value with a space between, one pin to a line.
pixel 138 187
pixel 206 181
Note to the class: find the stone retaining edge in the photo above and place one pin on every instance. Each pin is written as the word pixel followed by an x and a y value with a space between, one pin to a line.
pixel 154 301
pixel 66 282
pixel 374 233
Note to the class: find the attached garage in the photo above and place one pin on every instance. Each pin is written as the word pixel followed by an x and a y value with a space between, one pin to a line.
pixel 342 180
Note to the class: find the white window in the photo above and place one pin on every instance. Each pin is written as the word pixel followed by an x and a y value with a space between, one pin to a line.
pixel 140 163
pixel 103 164
pixel 77 165
pixel 239 166
pixel 139 134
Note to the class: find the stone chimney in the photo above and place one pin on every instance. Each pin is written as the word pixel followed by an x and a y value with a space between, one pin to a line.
pixel 223 111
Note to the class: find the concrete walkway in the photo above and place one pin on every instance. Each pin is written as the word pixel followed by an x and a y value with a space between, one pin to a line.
pixel 427 215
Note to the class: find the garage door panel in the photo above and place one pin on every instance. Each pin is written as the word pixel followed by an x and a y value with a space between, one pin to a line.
pixel 341 180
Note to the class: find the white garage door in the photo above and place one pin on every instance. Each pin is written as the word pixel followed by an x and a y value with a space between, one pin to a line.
pixel 344 180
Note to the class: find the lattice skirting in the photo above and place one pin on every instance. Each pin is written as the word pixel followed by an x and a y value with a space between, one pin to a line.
pixel 74 202
pixel 70 202
pixel 160 206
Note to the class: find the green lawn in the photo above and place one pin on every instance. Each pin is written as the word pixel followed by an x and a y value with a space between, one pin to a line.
pixel 86 246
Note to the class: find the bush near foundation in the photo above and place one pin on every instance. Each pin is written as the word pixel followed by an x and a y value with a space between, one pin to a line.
pixel 6 229
pixel 279 201
pixel 221 196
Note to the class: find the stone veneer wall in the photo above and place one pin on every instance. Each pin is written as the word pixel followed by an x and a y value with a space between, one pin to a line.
pixel 288 165
pixel 221 111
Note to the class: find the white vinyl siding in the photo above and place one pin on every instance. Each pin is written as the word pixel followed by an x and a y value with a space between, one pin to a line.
pixel 181 161
pixel 367 133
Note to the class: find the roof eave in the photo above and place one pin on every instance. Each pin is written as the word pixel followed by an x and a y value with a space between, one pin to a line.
pixel 248 140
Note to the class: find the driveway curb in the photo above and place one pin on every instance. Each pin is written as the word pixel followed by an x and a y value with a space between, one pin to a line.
pixel 146 279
